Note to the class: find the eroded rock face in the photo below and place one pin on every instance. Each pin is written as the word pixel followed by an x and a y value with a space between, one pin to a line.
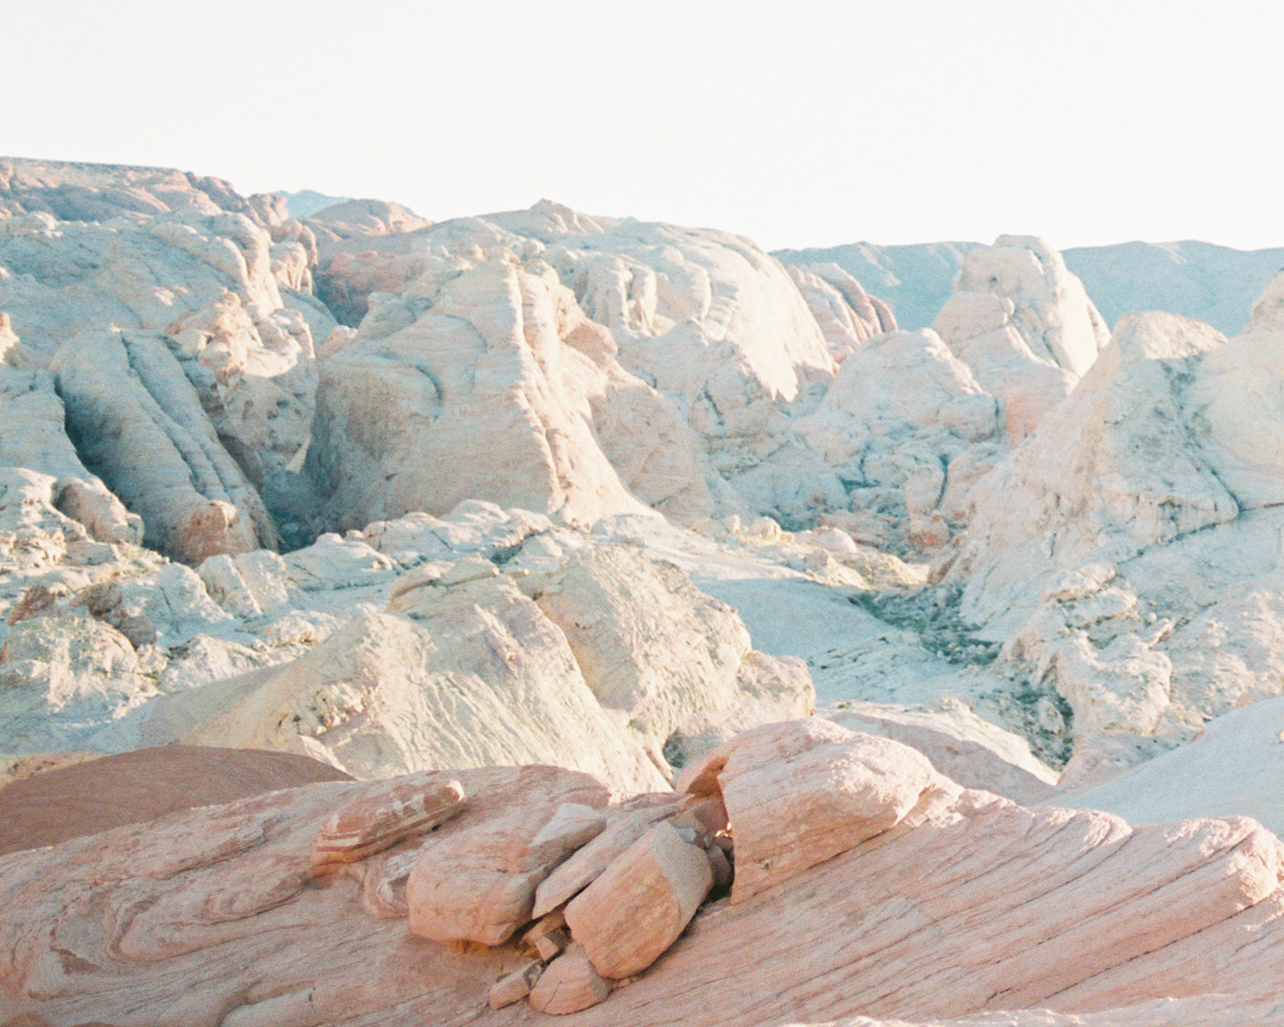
pixel 1025 326
pixel 138 421
pixel 490 369
pixel 1012 908
pixel 677 662
pixel 1144 485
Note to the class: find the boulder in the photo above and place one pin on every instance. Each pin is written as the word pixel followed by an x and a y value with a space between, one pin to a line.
pixel 476 881
pixel 637 908
pixel 1055 916
pixel 800 793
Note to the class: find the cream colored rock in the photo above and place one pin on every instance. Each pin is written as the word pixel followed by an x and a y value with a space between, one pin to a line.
pixel 846 313
pixel 35 438
pixel 386 436
pixel 472 675
pixel 1024 325
pixel 905 422
pixel 141 422
pixel 61 676
pixel 960 745
pixel 676 661
pixel 637 908
pixel 1081 537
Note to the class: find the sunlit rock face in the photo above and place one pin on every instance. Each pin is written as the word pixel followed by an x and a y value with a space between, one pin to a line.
pixel 501 365
pixel 427 897
pixel 192 300
pixel 1126 552
pixel 1024 325
pixel 477 507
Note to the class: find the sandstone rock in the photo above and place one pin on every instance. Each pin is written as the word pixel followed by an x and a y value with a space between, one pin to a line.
pixel 961 746
pixel 477 882
pixel 548 937
pixel 61 677
pixel 568 985
pixel 1115 652
pixel 1024 325
pixel 140 423
pixel 36 439
pixel 384 434
pixel 134 787
pixel 82 191
pixel 631 914
pixel 904 414
pixel 625 827
pixel 676 661
pixel 249 584
pixel 363 828
pixel 515 986
pixel 1230 769
pixel 1053 915
pixel 799 793
pixel 846 314
pixel 389 693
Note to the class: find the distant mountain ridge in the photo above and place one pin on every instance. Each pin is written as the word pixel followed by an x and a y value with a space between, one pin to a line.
pixel 307 202
pixel 1204 281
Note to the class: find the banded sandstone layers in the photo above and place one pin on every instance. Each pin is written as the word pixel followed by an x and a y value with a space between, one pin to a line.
pixel 1008 908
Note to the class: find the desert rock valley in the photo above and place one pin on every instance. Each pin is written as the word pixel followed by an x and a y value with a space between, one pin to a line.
pixel 547 614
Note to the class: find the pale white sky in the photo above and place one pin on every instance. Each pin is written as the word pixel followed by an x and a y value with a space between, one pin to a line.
pixel 798 123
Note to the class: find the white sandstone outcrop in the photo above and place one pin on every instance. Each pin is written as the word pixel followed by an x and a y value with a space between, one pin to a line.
pixel 1127 553
pixel 1024 325
pixel 501 364
pixel 846 313
pixel 908 429
pixel 138 420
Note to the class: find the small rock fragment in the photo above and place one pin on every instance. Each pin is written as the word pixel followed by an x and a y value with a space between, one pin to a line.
pixel 371 825
pixel 572 826
pixel 548 937
pixel 721 867
pixel 706 816
pixel 515 986
pixel 569 984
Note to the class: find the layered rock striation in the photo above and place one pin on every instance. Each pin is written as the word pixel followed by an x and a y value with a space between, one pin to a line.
pixel 1061 915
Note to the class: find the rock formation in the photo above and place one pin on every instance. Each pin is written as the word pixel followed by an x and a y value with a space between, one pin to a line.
pixel 1024 325
pixel 516 519
pixel 1008 908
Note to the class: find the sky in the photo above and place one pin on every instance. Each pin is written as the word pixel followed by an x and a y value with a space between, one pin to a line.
pixel 796 123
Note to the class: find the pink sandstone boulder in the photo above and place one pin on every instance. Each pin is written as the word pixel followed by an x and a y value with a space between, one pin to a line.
pixel 477 882
pixel 631 914
pixel 801 792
